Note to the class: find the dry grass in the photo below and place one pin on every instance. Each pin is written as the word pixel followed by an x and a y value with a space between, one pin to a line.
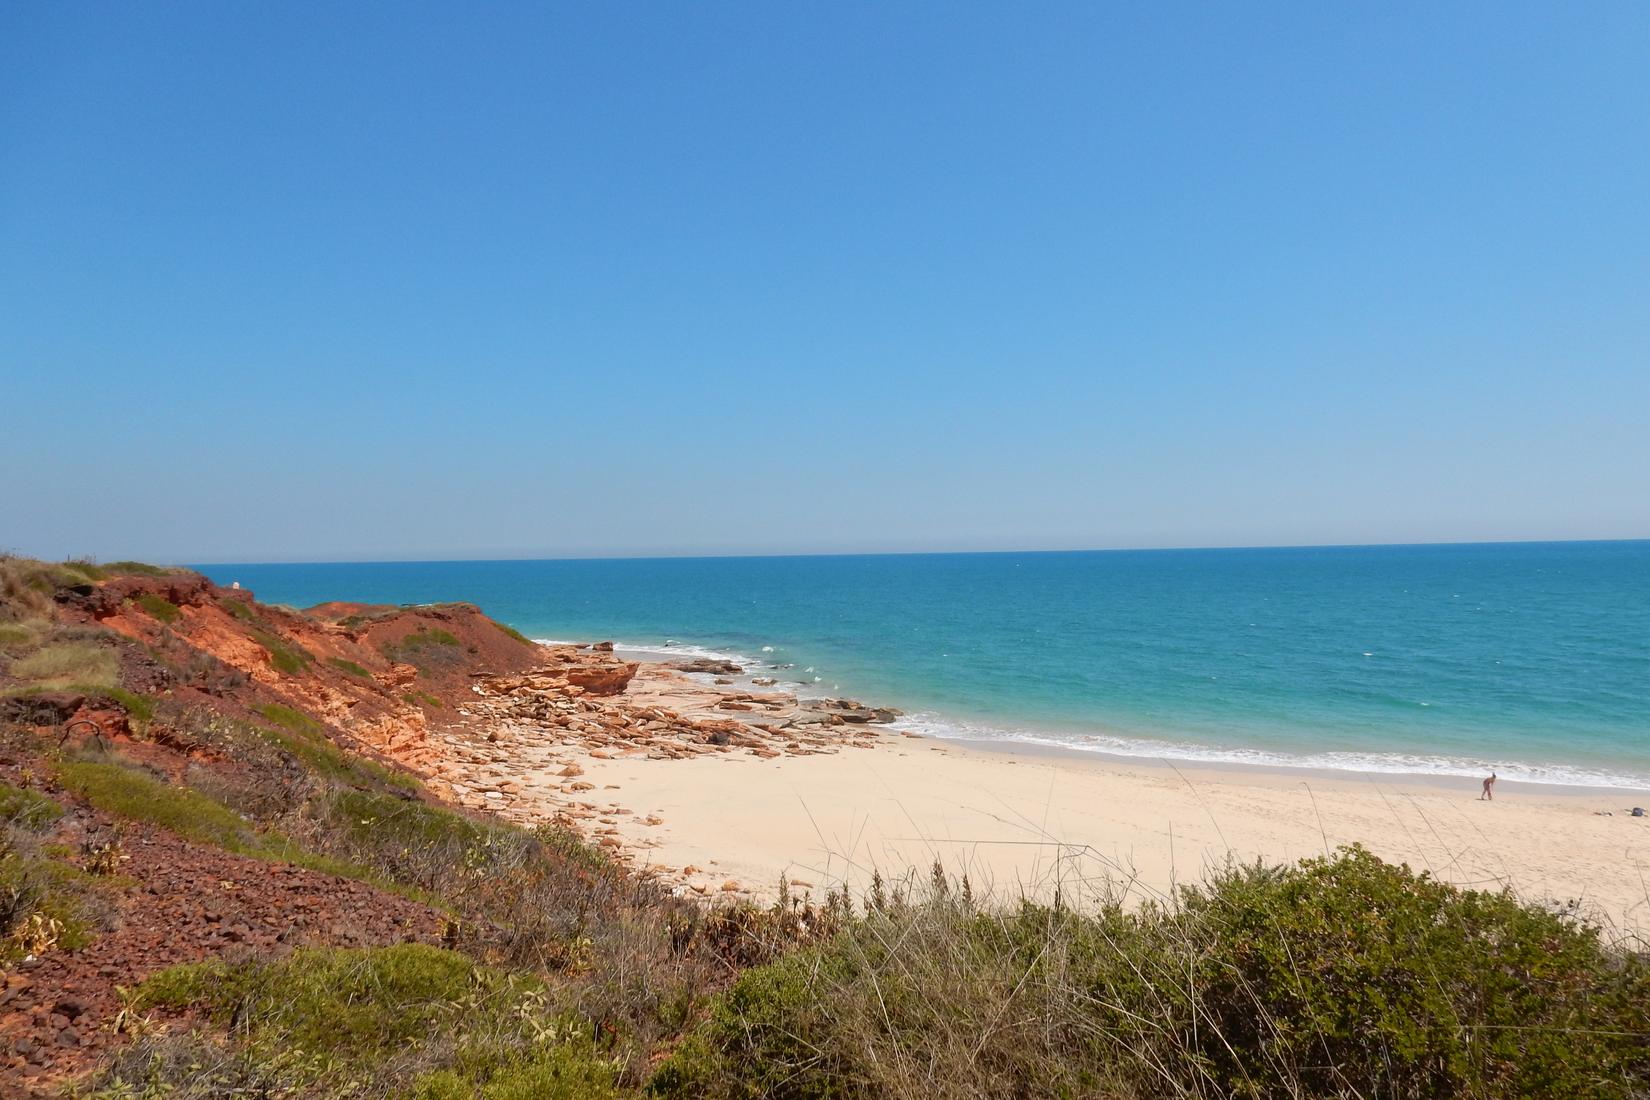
pixel 62 664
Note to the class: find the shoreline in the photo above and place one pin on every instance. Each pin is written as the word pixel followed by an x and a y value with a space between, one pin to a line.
pixel 652 773
pixel 659 654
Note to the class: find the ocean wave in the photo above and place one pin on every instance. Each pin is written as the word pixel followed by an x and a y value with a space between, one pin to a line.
pixel 1191 752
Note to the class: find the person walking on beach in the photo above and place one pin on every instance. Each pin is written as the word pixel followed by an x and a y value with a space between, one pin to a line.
pixel 1489 789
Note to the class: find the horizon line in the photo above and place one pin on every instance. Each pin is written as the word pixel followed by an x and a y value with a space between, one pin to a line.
pixel 905 553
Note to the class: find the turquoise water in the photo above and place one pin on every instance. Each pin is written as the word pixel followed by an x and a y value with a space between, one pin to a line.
pixel 1533 658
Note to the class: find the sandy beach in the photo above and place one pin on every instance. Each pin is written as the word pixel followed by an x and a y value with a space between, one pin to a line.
pixel 836 804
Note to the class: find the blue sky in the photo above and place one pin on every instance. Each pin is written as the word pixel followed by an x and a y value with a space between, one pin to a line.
pixel 399 281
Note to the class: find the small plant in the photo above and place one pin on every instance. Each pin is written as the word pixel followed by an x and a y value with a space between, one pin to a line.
pixel 36 935
pixel 101 857
pixel 158 607
pixel 350 667
pixel 514 633
pixel 26 808
pixel 283 656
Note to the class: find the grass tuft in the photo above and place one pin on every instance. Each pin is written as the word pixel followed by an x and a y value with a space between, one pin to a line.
pixel 63 663
pixel 158 607
pixel 284 656
pixel 419 1021
pixel 350 667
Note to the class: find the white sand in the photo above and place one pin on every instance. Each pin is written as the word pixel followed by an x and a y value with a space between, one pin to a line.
pixel 1024 820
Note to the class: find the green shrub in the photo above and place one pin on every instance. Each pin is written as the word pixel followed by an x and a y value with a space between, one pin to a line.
pixel 38 912
pixel 283 656
pixel 240 609
pixel 382 820
pixel 28 809
pixel 426 648
pixel 63 663
pixel 139 707
pixel 316 751
pixel 158 607
pixel 514 633
pixel 136 569
pixel 127 792
pixel 1338 977
pixel 350 667
pixel 429 1018
pixel 291 718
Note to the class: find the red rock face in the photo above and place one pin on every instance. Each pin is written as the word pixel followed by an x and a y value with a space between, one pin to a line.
pixel 610 678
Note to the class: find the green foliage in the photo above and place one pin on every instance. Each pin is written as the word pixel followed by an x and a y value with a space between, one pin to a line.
pixel 386 821
pixel 429 1018
pixel 128 792
pixel 139 707
pixel 1336 977
pixel 63 663
pixel 284 656
pixel 350 667
pixel 240 609
pixel 158 607
pixel 426 648
pixel 513 632
pixel 136 569
pixel 42 901
pixel 311 746
pixel 28 809
pixel 19 636
pixel 291 718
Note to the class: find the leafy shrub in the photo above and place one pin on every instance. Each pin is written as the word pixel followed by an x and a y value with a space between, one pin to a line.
pixel 240 609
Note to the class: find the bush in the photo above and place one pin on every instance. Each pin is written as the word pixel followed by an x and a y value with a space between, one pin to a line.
pixel 426 648
pixel 127 792
pixel 1338 978
pixel 414 1020
pixel 27 809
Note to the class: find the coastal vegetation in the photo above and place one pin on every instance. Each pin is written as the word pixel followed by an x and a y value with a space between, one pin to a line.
pixel 493 960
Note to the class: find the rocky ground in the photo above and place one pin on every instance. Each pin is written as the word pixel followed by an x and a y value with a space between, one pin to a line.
pixel 520 744
pixel 168 902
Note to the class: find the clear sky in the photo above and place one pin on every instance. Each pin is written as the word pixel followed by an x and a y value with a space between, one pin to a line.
pixel 289 281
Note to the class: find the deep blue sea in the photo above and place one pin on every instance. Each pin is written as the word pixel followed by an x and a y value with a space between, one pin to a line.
pixel 1533 658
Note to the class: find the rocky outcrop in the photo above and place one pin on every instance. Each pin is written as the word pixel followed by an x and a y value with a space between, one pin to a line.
pixel 709 666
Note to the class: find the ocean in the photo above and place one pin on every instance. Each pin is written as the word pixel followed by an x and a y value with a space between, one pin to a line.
pixel 1530 658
